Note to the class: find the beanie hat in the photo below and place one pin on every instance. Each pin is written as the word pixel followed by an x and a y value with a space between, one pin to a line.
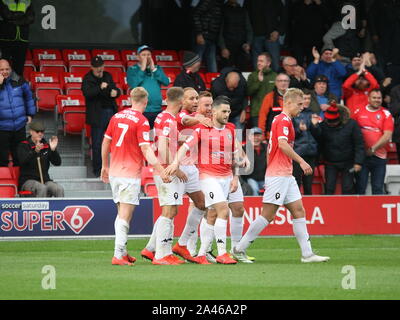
pixel 321 78
pixel 326 47
pixel 332 113
pixel 190 58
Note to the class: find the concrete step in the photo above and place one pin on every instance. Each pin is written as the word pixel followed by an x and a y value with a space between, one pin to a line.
pixel 83 185
pixel 68 172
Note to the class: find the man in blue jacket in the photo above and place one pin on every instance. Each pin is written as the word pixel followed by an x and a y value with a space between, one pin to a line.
pixel 149 76
pixel 327 65
pixel 17 108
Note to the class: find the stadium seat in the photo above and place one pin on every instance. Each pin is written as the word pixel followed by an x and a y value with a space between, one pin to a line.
pixel 72 82
pixel 8 183
pixel 128 55
pixel 76 55
pixel 46 54
pixel 170 64
pixel 115 73
pixel 392 153
pixel 28 55
pixel 165 55
pixel 52 66
pixel 210 77
pixel 124 82
pixel 79 66
pixel 47 86
pixel 123 101
pixel 147 181
pixel 171 73
pixel 107 55
pixel 29 67
pixel 164 96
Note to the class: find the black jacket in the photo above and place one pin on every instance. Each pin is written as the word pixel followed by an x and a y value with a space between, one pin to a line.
pixel 188 79
pixel 207 18
pixel 305 144
pixel 98 99
pixel 29 166
pixel 258 161
pixel 343 145
pixel 238 96
pixel 394 109
pixel 12 21
pixel 267 16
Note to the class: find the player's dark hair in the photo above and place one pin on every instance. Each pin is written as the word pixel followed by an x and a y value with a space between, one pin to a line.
pixel 220 100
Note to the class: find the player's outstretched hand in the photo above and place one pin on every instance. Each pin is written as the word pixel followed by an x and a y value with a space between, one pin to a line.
pixel 181 176
pixel 104 175
pixel 306 168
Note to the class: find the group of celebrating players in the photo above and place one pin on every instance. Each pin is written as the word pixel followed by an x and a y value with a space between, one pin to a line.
pixel 196 152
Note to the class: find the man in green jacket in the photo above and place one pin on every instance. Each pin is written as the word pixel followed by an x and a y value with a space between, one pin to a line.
pixel 259 84
pixel 148 75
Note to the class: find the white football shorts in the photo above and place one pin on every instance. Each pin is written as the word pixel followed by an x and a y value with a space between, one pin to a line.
pixel 236 196
pixel 125 190
pixel 215 190
pixel 281 190
pixel 193 183
pixel 169 194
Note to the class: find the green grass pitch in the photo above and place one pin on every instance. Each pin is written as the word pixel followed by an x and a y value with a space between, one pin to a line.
pixel 84 271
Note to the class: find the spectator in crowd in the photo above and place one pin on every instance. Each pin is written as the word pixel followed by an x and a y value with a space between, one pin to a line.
pixel 100 93
pixel 256 151
pixel 342 148
pixel 148 75
pixel 35 155
pixel 17 108
pixel 273 103
pixel 326 64
pixel 233 85
pixel 16 16
pixel 394 108
pixel 347 33
pixel 207 18
pixel 386 82
pixel 189 76
pixel 377 127
pixel 305 144
pixel 259 83
pixel 354 65
pixel 269 21
pixel 321 97
pixel 308 19
pixel 384 26
pixel 235 37
pixel 297 74
pixel 357 87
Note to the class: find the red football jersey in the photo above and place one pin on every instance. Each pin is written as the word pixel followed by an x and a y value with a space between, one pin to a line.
pixel 215 150
pixel 127 130
pixel 165 125
pixel 279 164
pixel 191 155
pixel 373 124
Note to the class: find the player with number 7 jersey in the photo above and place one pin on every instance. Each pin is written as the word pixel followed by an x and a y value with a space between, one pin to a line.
pixel 127 138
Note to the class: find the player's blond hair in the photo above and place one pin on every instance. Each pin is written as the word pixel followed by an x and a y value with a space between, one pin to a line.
pixel 139 94
pixel 291 94
pixel 174 94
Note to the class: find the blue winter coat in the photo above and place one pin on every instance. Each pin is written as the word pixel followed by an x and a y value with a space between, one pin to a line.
pixel 305 144
pixel 16 103
pixel 335 72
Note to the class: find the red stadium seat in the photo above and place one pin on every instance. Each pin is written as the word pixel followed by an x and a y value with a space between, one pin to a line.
pixel 123 101
pixel 392 153
pixel 52 66
pixel 8 183
pixel 76 55
pixel 147 181
pixel 46 54
pixel 79 66
pixel 128 55
pixel 29 67
pixel 211 76
pixel 165 55
pixel 115 73
pixel 47 86
pixel 171 74
pixel 72 82
pixel 169 64
pixel 28 55
pixel 107 55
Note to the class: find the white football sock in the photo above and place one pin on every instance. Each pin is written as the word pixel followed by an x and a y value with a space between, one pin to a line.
pixel 252 233
pixel 192 224
pixel 151 245
pixel 121 237
pixel 164 236
pixel 236 227
pixel 302 236
pixel 206 237
pixel 192 243
pixel 220 229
